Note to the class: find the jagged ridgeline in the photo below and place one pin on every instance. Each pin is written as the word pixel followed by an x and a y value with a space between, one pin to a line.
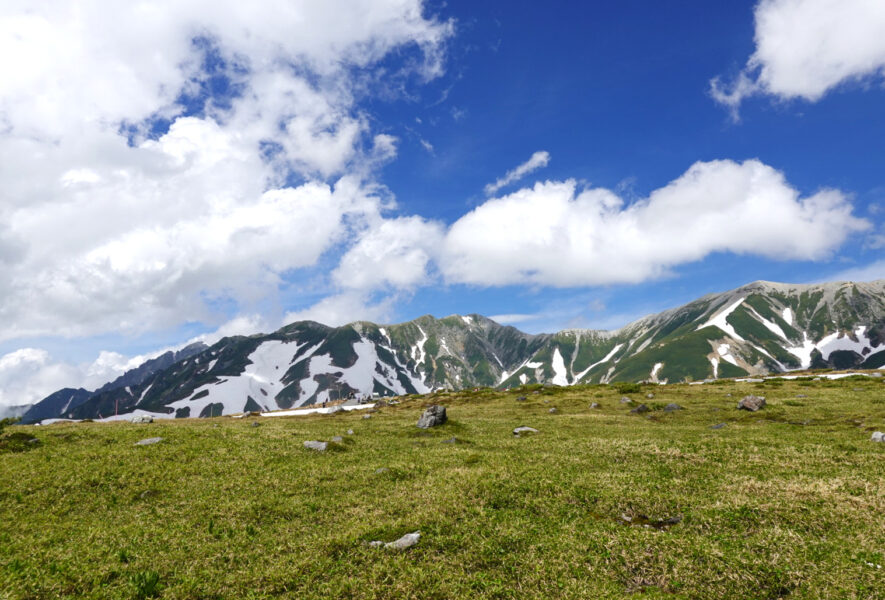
pixel 757 329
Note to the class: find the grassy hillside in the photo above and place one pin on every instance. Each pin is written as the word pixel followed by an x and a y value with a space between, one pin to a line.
pixel 787 502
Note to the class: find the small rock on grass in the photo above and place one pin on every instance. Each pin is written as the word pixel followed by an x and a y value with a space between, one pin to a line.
pixel 594 405
pixel 878 436
pixel 672 406
pixel 407 541
pixel 149 441
pixel 141 419
pixel 316 445
pixel 350 432
pixel 521 398
pixel 367 416
pixel 524 429
pixel 255 424
pixel 717 426
pixel 642 408
pixel 337 439
pixel 751 403
pixel 451 440
pixel 625 400
pixel 650 396
pixel 553 411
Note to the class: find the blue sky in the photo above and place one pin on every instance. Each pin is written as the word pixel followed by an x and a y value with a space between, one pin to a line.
pixel 332 160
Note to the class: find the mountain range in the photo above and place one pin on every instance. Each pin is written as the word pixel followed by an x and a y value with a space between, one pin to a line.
pixel 757 329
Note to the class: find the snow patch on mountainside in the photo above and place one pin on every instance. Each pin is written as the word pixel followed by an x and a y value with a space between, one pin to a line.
pixel 788 316
pixel 655 370
pixel 772 327
pixel 719 320
pixel 560 375
pixel 803 352
pixel 605 359
pixel 715 362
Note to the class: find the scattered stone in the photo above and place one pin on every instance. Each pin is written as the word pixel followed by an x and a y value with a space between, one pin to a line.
pixel 546 401
pixel 728 395
pixel 33 441
pixel 367 416
pixel 553 411
pixel 524 429
pixel 214 425
pixel 381 470
pixel 650 396
pixel 407 541
pixel 642 408
pixel 433 416
pixel 149 441
pixel 255 424
pixel 148 494
pixel 521 398
pixel 717 426
pixel 751 403
pixel 625 400
pixel 316 445
pixel 536 392
pixel 878 436
pixel 451 440
pixel 594 405
pixel 801 396
pixel 337 439
pixel 672 406
pixel 141 419
pixel 350 432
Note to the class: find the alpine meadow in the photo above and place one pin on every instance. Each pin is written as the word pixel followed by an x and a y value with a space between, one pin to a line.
pixel 438 299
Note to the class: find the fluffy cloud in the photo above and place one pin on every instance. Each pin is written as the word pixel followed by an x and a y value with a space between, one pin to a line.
pixel 146 149
pixel 804 48
pixel 556 234
pixel 538 160
pixel 395 252
pixel 345 308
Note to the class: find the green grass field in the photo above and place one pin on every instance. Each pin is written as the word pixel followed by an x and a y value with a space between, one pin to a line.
pixel 788 502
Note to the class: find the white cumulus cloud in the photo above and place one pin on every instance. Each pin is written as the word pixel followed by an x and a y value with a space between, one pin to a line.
pixel 557 234
pixel 110 226
pixel 804 48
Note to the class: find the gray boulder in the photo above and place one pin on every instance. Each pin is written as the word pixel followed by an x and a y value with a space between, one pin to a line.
pixel 433 416
pixel 878 436
pixel 594 405
pixel 751 403
pixel 625 400
pixel 642 408
pixel 671 407
pixel 141 419
pixel 337 439
pixel 316 445
pixel 521 398
pixel 149 441
pixel 553 411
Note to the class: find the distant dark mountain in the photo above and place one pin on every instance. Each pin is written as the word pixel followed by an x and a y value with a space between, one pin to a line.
pixel 757 329
pixel 62 403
